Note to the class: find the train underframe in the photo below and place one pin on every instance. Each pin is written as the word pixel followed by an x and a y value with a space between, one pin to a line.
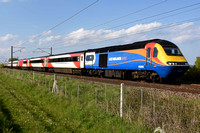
pixel 149 76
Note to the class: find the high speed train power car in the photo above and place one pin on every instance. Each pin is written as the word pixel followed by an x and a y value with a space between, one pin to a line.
pixel 151 60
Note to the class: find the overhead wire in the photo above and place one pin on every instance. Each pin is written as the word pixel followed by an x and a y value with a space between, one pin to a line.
pixel 58 43
pixel 105 22
pixel 154 16
pixel 140 10
pixel 153 5
pixel 143 18
pixel 126 15
pixel 174 24
pixel 62 22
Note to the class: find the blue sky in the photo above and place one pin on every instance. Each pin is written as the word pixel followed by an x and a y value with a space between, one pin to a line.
pixel 22 20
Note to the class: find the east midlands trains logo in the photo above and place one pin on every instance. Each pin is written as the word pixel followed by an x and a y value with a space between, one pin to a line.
pixel 117 58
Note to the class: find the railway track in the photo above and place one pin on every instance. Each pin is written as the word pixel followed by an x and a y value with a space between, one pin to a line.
pixel 191 89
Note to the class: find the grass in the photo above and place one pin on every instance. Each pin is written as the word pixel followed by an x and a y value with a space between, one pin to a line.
pixel 34 107
pixel 171 113
pixel 29 106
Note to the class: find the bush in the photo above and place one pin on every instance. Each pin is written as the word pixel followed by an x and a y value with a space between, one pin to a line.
pixel 1 65
pixel 197 63
pixel 192 76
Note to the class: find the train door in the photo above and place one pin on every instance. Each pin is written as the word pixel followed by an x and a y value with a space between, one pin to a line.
pixel 28 62
pixel 148 61
pixel 151 54
pixel 82 61
pixel 45 62
pixel 103 58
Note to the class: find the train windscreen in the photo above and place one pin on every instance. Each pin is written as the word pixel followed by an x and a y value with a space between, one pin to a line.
pixel 174 51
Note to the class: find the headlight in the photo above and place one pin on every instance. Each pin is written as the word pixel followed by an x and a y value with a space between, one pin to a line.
pixel 186 63
pixel 177 63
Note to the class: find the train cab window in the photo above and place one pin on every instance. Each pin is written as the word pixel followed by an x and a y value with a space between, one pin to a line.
pixel 155 52
pixel 174 51
pixel 89 57
pixel 148 52
pixel 81 58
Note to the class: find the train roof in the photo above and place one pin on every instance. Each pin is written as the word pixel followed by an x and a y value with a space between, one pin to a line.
pixel 135 45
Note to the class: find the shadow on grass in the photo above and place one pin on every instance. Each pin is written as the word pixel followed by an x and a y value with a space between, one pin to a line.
pixel 8 122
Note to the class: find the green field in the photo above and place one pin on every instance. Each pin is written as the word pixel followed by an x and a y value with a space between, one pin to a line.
pixel 28 105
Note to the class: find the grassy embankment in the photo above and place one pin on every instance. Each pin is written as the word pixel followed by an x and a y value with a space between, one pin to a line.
pixel 30 106
pixel 27 106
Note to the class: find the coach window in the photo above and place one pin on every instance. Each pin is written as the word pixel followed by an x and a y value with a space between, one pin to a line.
pixel 89 57
pixel 155 52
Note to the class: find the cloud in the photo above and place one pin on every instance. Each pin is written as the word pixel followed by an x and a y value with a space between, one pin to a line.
pixel 5 1
pixel 19 43
pixel 182 33
pixel 7 37
pixel 34 37
pixel 82 36
pixel 46 33
pixel 49 39
pixel 4 50
pixel 178 33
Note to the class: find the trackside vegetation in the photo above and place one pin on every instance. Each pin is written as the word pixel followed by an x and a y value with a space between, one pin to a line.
pixel 1 65
pixel 192 76
pixel 28 105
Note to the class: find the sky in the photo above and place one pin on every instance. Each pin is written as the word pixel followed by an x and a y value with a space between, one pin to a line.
pixel 34 26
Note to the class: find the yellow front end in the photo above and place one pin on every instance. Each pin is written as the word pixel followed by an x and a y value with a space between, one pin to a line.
pixel 170 59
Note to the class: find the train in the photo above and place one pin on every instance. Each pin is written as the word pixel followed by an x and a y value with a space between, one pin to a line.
pixel 152 60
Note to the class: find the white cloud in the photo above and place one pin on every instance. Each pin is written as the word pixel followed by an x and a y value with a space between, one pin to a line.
pixel 19 43
pixel 5 1
pixel 178 34
pixel 34 37
pixel 4 50
pixel 7 37
pixel 182 33
pixel 82 36
pixel 49 39
pixel 182 38
pixel 46 33
pixel 186 33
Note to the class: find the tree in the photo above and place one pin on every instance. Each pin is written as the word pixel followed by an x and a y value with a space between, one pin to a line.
pixel 197 63
pixel 14 59
pixel 1 65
